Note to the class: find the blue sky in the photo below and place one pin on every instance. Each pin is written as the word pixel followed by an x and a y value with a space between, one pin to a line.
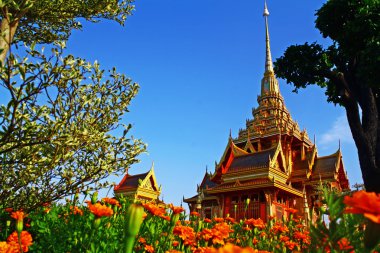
pixel 199 65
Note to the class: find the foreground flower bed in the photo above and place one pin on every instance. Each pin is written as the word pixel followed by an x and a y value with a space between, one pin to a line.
pixel 110 225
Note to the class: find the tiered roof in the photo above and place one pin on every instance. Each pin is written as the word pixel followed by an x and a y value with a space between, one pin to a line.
pixel 143 186
pixel 272 144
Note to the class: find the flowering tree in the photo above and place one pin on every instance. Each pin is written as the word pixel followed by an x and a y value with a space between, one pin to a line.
pixel 55 135
pixel 58 115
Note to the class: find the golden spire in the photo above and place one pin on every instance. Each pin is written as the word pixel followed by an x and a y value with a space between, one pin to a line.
pixel 268 58
pixel 269 83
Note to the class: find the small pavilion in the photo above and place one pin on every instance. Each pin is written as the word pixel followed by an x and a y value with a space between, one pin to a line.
pixel 142 187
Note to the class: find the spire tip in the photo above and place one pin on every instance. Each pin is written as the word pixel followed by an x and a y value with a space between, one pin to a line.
pixel 266 12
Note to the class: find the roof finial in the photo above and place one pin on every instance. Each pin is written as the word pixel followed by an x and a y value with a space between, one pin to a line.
pixel 266 12
pixel 268 58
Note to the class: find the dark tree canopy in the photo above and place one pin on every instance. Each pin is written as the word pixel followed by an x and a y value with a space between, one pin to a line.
pixel 348 70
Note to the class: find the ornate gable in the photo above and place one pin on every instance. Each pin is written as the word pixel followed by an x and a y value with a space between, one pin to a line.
pixel 248 145
pixel 142 186
pixel 149 182
pixel 278 160
pixel 231 151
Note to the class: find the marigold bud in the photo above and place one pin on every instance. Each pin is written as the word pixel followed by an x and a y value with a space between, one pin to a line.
pixel 134 219
pixel 174 219
pixel 94 198
pixel 19 226
pixel 97 222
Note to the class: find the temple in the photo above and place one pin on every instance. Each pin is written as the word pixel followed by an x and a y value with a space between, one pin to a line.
pixel 271 162
pixel 141 187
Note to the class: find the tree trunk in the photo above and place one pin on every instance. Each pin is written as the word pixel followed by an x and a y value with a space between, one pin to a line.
pixel 370 172
pixel 8 30
pixel 366 136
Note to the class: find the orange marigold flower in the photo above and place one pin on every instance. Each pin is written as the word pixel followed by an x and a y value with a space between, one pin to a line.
pixel 304 236
pixel 206 234
pixel 230 248
pixel 220 231
pixel 216 219
pixel 187 234
pixel 230 219
pixel 25 238
pixel 262 234
pixel 76 210
pixel 165 217
pixel 173 251
pixel 100 210
pixel 284 238
pixel 9 209
pixel 366 203
pixel 4 247
pixel 278 227
pixel 111 201
pixel 344 244
pixel 204 250
pixel 207 220
pixel 142 240
pixel 176 209
pixel 246 228
pixel 154 210
pixel 194 214
pixel 175 243
pixel 291 210
pixel 290 244
pixel 255 241
pixel 18 215
pixel 149 248
pixel 258 223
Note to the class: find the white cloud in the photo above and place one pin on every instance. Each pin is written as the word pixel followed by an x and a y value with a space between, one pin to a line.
pixel 340 130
